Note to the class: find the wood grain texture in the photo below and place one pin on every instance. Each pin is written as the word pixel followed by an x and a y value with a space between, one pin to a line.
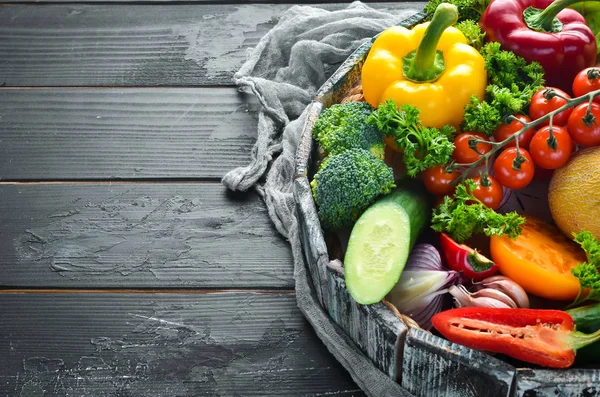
pixel 311 237
pixel 374 328
pixel 74 134
pixel 558 383
pixel 138 236
pixel 225 344
pixel 135 45
pixel 434 367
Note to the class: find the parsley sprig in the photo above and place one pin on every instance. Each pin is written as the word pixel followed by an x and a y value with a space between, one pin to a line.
pixel 587 272
pixel 467 9
pixel 423 147
pixel 512 81
pixel 463 215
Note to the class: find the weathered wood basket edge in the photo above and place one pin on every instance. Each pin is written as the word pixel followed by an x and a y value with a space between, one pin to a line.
pixel 424 364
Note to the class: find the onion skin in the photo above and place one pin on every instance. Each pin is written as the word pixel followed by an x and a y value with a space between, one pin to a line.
pixel 423 284
pixel 425 257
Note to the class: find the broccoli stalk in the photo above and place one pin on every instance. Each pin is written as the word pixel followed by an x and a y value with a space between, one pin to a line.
pixel 346 184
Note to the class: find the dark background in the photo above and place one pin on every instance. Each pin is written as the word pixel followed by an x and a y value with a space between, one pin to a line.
pixel 126 268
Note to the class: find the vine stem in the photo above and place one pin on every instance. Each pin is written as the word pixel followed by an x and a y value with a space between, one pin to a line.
pixel 571 102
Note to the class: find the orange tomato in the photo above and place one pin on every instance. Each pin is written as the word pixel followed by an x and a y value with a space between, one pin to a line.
pixel 539 260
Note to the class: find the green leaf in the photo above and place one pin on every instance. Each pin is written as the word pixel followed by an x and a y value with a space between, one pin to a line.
pixel 591 12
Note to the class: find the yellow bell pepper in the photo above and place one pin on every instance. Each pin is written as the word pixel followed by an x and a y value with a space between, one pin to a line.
pixel 430 67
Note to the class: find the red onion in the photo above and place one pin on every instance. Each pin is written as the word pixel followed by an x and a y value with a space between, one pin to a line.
pixel 420 291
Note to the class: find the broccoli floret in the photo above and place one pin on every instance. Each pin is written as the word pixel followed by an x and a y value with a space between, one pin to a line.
pixel 344 126
pixel 346 184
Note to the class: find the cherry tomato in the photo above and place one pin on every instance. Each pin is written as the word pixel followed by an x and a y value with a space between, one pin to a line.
pixel 584 130
pixel 510 177
pixel 463 153
pixel 490 195
pixel 586 81
pixel 540 106
pixel 505 130
pixel 551 157
pixel 437 180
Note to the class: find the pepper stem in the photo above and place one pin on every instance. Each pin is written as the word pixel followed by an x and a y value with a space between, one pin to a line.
pixel 579 339
pixel 545 20
pixel 426 64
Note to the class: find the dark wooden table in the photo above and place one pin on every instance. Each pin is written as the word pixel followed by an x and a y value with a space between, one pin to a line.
pixel 126 268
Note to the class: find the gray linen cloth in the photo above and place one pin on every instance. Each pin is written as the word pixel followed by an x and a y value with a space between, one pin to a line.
pixel 284 72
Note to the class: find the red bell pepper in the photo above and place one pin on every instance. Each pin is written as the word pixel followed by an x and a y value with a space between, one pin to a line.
pixel 543 337
pixel 543 31
pixel 466 260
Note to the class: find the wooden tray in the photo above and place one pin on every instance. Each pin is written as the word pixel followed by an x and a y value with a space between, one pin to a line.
pixel 424 364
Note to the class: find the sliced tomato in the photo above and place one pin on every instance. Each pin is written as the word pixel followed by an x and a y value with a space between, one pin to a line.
pixel 539 260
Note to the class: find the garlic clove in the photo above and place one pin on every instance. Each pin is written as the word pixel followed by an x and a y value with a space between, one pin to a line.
pixel 495 294
pixel 509 287
pixel 484 301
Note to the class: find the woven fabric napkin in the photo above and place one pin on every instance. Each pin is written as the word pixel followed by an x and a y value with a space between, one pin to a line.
pixel 284 71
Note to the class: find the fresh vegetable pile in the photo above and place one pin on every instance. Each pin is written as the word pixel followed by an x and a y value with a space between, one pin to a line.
pixel 483 100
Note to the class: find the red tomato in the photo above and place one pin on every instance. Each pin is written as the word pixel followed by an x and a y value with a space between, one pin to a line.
pixel 584 130
pixel 506 130
pixel 586 81
pixel 463 153
pixel 437 180
pixel 507 175
pixel 490 195
pixel 551 157
pixel 540 106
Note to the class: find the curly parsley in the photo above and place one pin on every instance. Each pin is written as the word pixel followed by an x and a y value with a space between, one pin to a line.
pixel 423 147
pixel 587 272
pixel 472 32
pixel 512 81
pixel 463 215
pixel 467 9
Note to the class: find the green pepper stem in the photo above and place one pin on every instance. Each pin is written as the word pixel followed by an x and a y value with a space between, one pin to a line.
pixel 425 65
pixel 546 20
pixel 579 339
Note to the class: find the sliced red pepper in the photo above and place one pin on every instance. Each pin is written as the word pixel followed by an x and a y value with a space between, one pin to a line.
pixel 544 31
pixel 543 337
pixel 465 259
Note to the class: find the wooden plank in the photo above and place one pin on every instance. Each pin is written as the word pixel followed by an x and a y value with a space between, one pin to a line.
pixel 224 344
pixel 558 383
pixel 434 367
pixel 138 236
pixel 135 45
pixel 75 134
pixel 374 328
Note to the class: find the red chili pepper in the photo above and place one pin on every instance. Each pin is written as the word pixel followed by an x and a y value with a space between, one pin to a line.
pixel 465 259
pixel 543 337
pixel 543 31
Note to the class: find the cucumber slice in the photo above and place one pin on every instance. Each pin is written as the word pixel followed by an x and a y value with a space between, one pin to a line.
pixel 380 242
